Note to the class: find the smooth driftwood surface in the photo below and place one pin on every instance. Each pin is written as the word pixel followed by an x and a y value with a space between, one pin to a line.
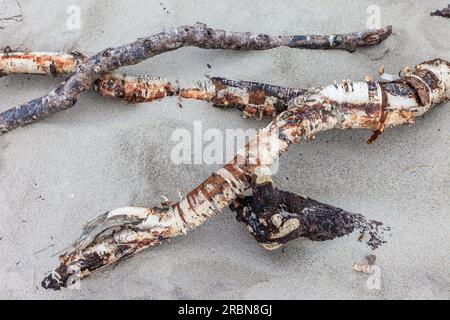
pixel 442 13
pixel 369 105
pixel 66 95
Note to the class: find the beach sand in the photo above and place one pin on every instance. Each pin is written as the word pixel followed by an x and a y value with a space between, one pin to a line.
pixel 60 172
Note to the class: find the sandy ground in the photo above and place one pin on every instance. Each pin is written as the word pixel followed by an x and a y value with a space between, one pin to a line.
pixel 58 173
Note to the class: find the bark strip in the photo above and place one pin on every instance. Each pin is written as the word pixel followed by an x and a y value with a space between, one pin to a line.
pixel 369 105
pixel 66 95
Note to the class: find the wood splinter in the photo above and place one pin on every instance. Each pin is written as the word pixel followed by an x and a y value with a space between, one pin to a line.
pixel 124 232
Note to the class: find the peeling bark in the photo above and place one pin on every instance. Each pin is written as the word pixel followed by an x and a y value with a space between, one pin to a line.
pixel 126 88
pixel 253 98
pixel 442 13
pixel 10 13
pixel 66 95
pixel 369 105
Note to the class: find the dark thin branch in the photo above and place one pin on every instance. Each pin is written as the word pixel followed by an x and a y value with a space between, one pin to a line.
pixel 66 95
pixel 442 13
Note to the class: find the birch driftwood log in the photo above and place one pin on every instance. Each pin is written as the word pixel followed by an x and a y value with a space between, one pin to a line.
pixel 369 105
pixel 199 35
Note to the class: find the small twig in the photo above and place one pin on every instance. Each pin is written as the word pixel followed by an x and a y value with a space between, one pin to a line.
pixel 66 95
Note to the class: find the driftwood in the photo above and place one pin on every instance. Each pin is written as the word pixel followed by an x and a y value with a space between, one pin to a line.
pixel 442 13
pixel 126 88
pixel 369 105
pixel 132 89
pixel 91 69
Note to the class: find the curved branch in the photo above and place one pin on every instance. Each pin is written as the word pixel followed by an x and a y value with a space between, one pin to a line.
pixel 66 95
pixel 369 105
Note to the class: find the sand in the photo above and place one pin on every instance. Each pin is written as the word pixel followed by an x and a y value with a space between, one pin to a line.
pixel 60 172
